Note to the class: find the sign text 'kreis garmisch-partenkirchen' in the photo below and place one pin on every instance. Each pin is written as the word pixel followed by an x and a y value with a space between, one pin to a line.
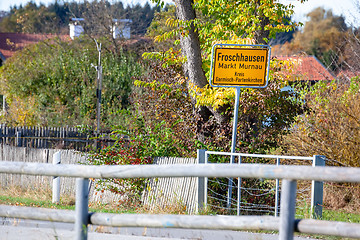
pixel 240 66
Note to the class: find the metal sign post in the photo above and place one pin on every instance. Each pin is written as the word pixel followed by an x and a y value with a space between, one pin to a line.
pixel 98 90
pixel 233 144
pixel 98 94
pixel 239 66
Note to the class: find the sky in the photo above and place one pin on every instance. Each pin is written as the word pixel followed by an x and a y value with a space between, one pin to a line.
pixel 350 9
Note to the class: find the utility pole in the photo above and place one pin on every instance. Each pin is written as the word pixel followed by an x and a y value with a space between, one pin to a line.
pixel 98 92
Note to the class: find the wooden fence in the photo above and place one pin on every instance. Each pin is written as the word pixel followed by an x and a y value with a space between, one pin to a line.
pixel 160 193
pixel 172 193
pixel 35 155
pixel 48 137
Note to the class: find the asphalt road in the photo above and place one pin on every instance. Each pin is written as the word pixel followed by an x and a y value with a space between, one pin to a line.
pixel 18 229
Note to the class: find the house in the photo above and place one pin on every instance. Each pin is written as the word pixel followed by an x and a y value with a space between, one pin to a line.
pixel 307 68
pixel 2 59
pixel 75 27
pixel 348 74
pixel 120 28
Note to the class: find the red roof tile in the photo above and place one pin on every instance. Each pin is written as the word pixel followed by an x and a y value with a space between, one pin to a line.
pixel 348 74
pixel 12 42
pixel 309 68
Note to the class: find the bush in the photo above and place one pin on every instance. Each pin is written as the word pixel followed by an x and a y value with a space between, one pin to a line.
pixel 59 80
pixel 331 127
pixel 135 144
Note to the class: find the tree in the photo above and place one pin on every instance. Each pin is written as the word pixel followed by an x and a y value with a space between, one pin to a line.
pixel 166 101
pixel 30 19
pixel 322 36
pixel 283 37
pixel 141 17
pixel 55 80
pixel 218 20
pixel 350 56
pixel 158 27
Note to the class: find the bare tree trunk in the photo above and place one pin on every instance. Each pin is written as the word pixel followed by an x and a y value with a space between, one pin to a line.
pixel 190 46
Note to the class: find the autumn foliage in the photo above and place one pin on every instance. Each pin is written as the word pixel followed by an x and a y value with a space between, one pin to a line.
pixel 331 127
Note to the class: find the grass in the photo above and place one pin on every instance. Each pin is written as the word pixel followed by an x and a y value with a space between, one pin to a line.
pixel 304 212
pixel 337 216
pixel 40 197
pixel 334 215
pixel 340 216
pixel 65 205
pixel 21 201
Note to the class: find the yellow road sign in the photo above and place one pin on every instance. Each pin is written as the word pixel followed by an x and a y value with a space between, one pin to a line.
pixel 240 66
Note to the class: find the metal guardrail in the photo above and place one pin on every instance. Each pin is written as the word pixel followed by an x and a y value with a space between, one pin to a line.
pixel 286 224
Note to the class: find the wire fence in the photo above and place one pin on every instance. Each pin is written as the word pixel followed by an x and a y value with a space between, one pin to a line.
pixel 253 201
pixel 238 196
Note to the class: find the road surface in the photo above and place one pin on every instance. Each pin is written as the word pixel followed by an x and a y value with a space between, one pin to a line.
pixel 19 229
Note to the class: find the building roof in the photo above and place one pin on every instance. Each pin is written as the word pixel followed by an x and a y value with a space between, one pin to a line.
pixel 308 68
pixel 348 74
pixel 12 42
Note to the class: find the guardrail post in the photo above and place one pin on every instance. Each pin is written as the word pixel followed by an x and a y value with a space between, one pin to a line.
pixel 287 209
pixel 317 190
pixel 239 193
pixel 277 184
pixel 81 209
pixel 56 180
pixel 201 201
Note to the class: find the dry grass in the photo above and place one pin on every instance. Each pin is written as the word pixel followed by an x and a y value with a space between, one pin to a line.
pixel 342 197
pixel 42 193
pixel 35 193
pixel 174 208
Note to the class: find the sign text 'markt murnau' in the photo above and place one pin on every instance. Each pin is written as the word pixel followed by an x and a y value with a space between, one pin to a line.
pixel 240 67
